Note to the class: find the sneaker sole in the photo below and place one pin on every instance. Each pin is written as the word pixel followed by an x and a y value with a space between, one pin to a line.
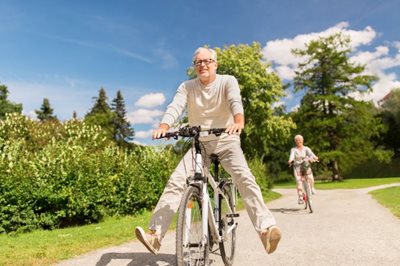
pixel 273 238
pixel 141 236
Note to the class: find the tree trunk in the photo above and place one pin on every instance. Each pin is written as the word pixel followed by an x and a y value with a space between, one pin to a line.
pixel 335 171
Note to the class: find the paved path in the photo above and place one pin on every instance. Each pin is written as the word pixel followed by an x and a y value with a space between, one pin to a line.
pixel 348 227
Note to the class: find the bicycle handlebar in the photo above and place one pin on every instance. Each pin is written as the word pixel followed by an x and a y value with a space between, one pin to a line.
pixel 193 132
pixel 304 160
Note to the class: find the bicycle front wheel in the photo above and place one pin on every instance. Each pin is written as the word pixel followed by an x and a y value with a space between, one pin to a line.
pixel 191 245
pixel 227 226
pixel 307 190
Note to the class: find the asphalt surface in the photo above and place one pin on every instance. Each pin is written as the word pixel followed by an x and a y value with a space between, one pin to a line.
pixel 348 227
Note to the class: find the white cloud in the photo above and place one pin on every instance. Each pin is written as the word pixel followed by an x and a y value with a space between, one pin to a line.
pixel 381 88
pixel 397 45
pixel 377 62
pixel 280 51
pixel 145 134
pixel 285 72
pixel 144 116
pixel 99 46
pixel 365 57
pixel 151 100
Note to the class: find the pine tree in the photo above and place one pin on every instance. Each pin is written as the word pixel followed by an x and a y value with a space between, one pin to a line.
pixel 45 113
pixel 5 105
pixel 100 106
pixel 339 127
pixel 101 114
pixel 122 129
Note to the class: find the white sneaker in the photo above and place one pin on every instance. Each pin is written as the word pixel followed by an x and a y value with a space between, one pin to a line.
pixel 150 241
pixel 270 238
pixel 313 191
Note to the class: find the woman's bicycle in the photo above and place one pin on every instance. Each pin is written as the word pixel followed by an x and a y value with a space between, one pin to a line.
pixel 303 168
pixel 203 220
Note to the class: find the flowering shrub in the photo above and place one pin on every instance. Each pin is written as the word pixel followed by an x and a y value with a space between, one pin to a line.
pixel 56 174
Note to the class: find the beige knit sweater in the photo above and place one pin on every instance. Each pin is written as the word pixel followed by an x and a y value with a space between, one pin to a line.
pixel 208 106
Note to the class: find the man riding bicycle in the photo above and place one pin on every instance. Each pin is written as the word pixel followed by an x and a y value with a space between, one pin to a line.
pixel 212 101
pixel 301 156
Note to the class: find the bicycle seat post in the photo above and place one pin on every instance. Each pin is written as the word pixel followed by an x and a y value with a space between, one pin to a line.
pixel 198 158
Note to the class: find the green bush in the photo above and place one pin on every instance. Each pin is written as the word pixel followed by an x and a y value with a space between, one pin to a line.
pixel 259 170
pixel 55 175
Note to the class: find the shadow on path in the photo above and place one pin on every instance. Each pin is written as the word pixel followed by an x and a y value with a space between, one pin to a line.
pixel 290 210
pixel 138 259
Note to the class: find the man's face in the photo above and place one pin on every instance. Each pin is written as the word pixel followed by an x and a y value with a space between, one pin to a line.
pixel 205 66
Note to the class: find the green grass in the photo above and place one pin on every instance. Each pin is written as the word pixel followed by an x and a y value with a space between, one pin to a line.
pixel 48 247
pixel 347 183
pixel 388 197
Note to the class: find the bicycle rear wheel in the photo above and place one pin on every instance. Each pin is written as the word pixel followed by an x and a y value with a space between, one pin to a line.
pixel 307 190
pixel 227 226
pixel 191 245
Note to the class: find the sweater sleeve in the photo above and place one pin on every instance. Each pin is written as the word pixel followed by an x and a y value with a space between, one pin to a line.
pixel 233 96
pixel 176 107
pixel 291 156
pixel 309 153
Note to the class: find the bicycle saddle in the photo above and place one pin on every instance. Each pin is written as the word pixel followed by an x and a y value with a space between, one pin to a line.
pixel 214 158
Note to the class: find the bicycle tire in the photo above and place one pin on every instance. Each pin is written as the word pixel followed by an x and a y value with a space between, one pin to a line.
pixel 189 235
pixel 227 226
pixel 307 190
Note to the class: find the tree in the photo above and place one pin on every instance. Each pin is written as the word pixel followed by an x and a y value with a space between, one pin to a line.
pixel 101 114
pixel 260 89
pixel 390 113
pixel 122 128
pixel 339 127
pixel 5 105
pixel 45 113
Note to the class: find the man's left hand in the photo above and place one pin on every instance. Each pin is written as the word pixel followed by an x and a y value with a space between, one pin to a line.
pixel 234 129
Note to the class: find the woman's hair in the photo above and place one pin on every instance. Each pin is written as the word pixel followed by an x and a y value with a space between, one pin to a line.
pixel 212 51
pixel 298 137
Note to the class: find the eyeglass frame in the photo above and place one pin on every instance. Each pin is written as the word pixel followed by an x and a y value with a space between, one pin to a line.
pixel 206 62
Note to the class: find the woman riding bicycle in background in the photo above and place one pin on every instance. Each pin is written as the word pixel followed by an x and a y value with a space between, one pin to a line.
pixel 297 157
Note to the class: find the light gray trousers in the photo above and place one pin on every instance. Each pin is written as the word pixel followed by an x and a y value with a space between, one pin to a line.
pixel 233 161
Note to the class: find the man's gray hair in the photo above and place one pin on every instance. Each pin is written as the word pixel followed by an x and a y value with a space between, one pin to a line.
pixel 212 51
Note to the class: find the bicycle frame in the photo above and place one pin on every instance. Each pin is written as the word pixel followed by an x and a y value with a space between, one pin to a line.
pixel 209 218
pixel 195 234
pixel 304 174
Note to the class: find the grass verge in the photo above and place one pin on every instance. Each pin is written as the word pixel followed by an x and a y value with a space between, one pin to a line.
pixel 388 197
pixel 48 247
pixel 346 183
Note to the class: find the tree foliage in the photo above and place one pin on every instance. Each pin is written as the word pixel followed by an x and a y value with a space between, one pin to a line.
pixel 339 127
pixel 6 106
pixel 45 112
pixel 111 119
pixel 390 113
pixel 260 89
pixel 101 114
pixel 122 129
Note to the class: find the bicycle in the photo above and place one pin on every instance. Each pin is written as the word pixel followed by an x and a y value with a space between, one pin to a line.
pixel 204 221
pixel 304 170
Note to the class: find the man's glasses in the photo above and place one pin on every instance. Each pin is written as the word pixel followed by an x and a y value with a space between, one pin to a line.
pixel 206 62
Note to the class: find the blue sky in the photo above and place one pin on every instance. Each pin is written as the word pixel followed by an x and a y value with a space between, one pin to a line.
pixel 67 50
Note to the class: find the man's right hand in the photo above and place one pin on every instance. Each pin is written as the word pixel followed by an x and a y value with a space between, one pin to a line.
pixel 160 132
